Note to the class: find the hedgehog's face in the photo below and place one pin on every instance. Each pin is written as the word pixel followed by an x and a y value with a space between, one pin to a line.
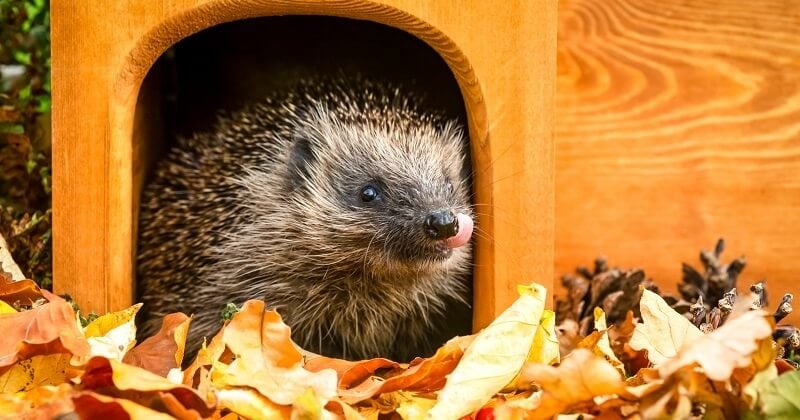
pixel 395 194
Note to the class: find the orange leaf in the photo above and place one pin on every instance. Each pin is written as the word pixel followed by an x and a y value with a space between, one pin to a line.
pixel 102 373
pixel 273 341
pixel 46 329
pixel 267 360
pixel 349 372
pixel 422 375
pixel 164 350
pixel 580 377
pixel 43 402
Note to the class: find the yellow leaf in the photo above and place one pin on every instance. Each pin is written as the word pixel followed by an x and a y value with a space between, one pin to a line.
pixel 663 331
pixel 37 371
pixel 251 405
pixel 6 308
pixel 111 335
pixel 545 342
pixel 599 343
pixel 414 408
pixel 105 323
pixel 307 406
pixel 494 358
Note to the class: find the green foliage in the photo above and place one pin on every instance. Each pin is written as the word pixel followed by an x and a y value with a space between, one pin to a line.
pixel 25 102
pixel 230 310
pixel 779 398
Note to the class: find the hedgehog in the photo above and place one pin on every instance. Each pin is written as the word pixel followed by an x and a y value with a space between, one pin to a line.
pixel 343 203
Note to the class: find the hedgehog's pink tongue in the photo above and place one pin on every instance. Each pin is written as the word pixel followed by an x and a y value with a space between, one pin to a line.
pixel 465 226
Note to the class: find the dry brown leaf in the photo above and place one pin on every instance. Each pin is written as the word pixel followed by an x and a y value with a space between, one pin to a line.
pixel 726 348
pixel 620 336
pixel 163 351
pixel 672 398
pixel 23 292
pixel 663 331
pixel 598 341
pixel 580 377
pixel 45 329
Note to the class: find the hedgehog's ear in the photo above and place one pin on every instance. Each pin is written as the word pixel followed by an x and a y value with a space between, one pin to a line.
pixel 300 159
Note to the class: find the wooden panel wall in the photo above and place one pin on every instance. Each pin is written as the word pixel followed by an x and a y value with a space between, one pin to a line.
pixel 678 123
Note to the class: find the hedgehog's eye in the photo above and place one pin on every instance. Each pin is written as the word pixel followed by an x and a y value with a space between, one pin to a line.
pixel 368 193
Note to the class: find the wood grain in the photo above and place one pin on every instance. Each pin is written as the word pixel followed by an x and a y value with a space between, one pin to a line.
pixel 502 57
pixel 678 123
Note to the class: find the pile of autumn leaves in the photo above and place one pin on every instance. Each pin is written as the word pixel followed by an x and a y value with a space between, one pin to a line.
pixel 51 365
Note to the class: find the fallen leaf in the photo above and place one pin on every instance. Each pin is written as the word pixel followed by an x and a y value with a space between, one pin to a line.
pixel 50 328
pixel 599 343
pixel 260 335
pixel 23 292
pixel 249 404
pixel 6 308
pixel 48 369
pixel 267 360
pixel 494 358
pixel 144 386
pixel 196 375
pixel 780 397
pixel 579 378
pixel 422 375
pixel 164 350
pixel 349 372
pixel 111 335
pixel 663 331
pixel 726 348
pixel 759 382
pixel 411 407
pixel 90 405
pixel 545 348
pixel 44 402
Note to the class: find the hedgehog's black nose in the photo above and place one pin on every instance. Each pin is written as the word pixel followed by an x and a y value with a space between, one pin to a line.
pixel 441 224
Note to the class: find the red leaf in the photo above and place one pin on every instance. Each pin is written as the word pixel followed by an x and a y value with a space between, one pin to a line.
pixel 142 386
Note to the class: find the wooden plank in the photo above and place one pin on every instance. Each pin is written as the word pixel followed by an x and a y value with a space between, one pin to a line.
pixel 503 58
pixel 678 123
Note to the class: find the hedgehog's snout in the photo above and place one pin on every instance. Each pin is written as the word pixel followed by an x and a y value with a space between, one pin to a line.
pixel 444 225
pixel 441 224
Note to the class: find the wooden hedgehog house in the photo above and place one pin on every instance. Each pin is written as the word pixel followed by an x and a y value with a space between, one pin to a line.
pixel 108 123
